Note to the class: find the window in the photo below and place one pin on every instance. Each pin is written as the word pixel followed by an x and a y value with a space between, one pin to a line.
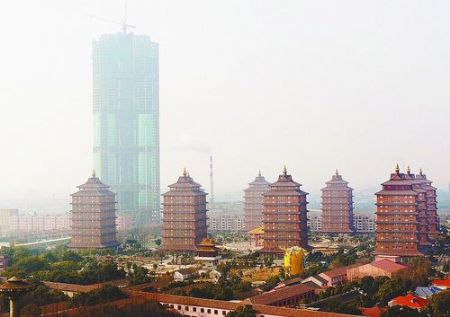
pixel 208 311
pixel 216 311
pixel 194 309
pixel 202 310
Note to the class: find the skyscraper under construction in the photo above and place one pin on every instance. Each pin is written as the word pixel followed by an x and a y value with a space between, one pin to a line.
pixel 126 121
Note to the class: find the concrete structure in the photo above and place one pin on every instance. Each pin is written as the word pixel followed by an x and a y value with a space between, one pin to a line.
pixel 5 219
pixel 38 223
pixel 93 216
pixel 253 202
pixel 225 221
pixel 337 206
pixel 285 216
pixel 377 268
pixel 126 121
pixel 398 217
pixel 364 223
pixel 184 216
pixel 315 223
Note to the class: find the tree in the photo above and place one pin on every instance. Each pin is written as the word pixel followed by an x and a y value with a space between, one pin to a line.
pixel 243 311
pixel 403 311
pixel 440 304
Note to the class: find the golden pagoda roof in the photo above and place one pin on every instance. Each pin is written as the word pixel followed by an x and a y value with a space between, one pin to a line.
pixel 257 230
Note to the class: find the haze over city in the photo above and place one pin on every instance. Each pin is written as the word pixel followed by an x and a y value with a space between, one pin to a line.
pixel 314 85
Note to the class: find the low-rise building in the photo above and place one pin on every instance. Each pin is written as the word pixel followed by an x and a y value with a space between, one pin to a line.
pixel 377 268
pixel 289 296
pixel 337 276
pixel 200 307
pixel 184 274
pixel 409 300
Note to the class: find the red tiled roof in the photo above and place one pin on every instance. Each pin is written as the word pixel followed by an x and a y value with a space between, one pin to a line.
pixel 281 294
pixel 442 283
pixel 409 300
pixel 375 311
pixel 340 270
pixel 389 266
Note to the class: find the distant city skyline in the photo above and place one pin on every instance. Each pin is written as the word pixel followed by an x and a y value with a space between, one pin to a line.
pixel 258 86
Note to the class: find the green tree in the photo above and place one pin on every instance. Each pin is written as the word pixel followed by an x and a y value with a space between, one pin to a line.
pixel 402 311
pixel 440 304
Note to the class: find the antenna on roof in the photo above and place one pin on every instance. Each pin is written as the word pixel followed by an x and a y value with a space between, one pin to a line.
pixel 124 21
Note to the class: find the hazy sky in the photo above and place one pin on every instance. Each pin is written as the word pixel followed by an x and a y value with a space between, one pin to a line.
pixel 315 85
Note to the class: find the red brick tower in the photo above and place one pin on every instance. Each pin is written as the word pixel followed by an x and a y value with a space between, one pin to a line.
pixel 253 202
pixel 337 206
pixel 93 216
pixel 397 232
pixel 422 208
pixel 432 216
pixel 184 216
pixel 285 216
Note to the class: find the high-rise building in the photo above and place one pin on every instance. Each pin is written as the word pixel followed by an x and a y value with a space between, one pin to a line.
pixel 253 202
pixel 337 206
pixel 422 209
pixel 93 216
pixel 184 216
pixel 364 223
pixel 126 121
pixel 431 198
pixel 285 216
pixel 397 217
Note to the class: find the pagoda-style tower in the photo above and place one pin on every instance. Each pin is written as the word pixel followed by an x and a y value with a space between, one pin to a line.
pixel 253 202
pixel 14 288
pixel 422 209
pixel 285 216
pixel 337 206
pixel 93 216
pixel 397 217
pixel 184 216
pixel 432 216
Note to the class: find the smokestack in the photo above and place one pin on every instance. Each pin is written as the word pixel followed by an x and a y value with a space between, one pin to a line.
pixel 211 179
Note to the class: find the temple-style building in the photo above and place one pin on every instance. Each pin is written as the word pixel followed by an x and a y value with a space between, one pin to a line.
pixel 184 216
pixel 337 206
pixel 431 197
pixel 207 251
pixel 285 216
pixel 422 209
pixel 397 217
pixel 253 202
pixel 93 216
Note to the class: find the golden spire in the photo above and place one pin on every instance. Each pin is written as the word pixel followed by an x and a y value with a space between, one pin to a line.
pixel 185 173
pixel 397 169
pixel 93 173
pixel 408 170
pixel 284 170
pixel 420 171
pixel 259 173
pixel 337 172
